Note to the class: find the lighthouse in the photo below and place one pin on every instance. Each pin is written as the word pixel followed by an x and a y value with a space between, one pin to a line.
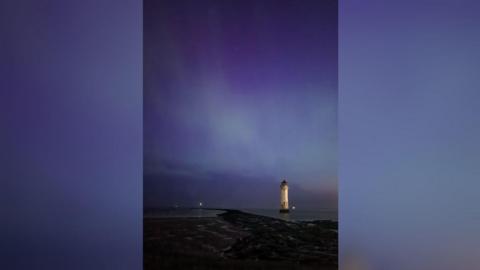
pixel 284 197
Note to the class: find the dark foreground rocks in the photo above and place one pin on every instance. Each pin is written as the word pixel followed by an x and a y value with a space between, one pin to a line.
pixel 238 240
pixel 273 239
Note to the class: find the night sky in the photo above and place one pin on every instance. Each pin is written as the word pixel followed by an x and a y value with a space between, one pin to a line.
pixel 237 96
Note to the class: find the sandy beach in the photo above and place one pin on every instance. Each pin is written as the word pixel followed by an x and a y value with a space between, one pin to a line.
pixel 239 240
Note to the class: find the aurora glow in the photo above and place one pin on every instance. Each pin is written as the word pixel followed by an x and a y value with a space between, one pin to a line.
pixel 244 88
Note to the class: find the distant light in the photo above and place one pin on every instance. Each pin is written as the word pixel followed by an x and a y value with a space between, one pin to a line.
pixel 293 207
pixel 200 204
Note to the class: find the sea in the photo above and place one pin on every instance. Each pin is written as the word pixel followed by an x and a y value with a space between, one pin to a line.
pixel 180 212
pixel 294 215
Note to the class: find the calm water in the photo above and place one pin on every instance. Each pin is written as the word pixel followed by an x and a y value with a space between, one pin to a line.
pixel 292 216
pixel 324 214
pixel 181 212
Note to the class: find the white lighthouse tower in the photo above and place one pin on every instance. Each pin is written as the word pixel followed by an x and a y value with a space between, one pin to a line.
pixel 284 197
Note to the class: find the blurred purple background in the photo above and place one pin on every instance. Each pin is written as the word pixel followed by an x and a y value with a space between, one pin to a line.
pixel 71 135
pixel 409 129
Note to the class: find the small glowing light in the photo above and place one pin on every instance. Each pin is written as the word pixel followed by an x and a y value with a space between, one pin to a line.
pixel 293 207
pixel 200 203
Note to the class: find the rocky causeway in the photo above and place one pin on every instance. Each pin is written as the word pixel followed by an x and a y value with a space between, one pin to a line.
pixel 239 240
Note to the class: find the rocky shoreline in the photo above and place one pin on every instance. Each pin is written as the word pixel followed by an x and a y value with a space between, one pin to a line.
pixel 239 240
pixel 314 242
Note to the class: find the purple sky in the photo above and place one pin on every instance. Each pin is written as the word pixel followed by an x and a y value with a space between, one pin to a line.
pixel 240 93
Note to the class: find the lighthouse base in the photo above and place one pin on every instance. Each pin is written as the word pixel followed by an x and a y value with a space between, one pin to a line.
pixel 284 210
